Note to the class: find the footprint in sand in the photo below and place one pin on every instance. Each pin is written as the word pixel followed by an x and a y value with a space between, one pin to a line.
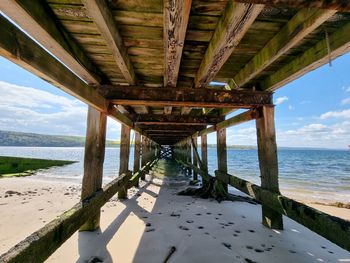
pixel 150 230
pixel 189 221
pixel 184 228
pixel 148 224
pixel 227 245
pixel 200 227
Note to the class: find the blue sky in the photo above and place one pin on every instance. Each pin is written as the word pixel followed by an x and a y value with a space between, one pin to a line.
pixel 312 111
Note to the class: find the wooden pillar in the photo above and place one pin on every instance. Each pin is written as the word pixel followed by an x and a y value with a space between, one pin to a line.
pixel 137 150
pixel 204 152
pixel 268 163
pixel 124 157
pixel 93 161
pixel 144 154
pixel 195 175
pixel 222 157
pixel 189 153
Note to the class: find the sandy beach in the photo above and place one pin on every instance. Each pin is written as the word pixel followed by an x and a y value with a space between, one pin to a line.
pixel 154 223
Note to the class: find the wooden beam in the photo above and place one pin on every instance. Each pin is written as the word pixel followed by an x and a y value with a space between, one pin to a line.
pixel 104 20
pixel 204 153
pixel 301 25
pixel 124 157
pixel 38 20
pixel 93 161
pixel 339 5
pixel 334 229
pixel 194 149
pixel 181 128
pixel 176 15
pixel 232 26
pixel 221 156
pixel 137 153
pixel 268 163
pixel 41 244
pixel 314 57
pixel 185 97
pixel 235 120
pixel 22 50
pixel 152 119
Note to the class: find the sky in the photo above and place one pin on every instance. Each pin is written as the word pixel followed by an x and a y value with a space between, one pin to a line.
pixel 312 111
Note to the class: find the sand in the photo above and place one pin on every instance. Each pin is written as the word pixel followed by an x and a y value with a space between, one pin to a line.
pixel 155 223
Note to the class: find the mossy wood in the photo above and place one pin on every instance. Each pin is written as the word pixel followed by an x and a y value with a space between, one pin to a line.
pixel 334 229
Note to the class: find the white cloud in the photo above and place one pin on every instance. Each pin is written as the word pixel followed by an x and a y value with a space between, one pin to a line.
pixel 345 101
pixel 28 109
pixel 280 100
pixel 346 89
pixel 336 114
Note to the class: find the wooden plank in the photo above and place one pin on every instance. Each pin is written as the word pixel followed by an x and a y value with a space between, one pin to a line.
pixel 221 156
pixel 194 149
pixel 22 50
pixel 184 97
pixel 232 26
pixel 176 14
pixel 334 229
pixel 38 20
pixel 41 244
pixel 268 163
pixel 137 153
pixel 165 128
pixel 301 25
pixel 93 161
pixel 179 119
pixel 124 157
pixel 103 18
pixel 311 59
pixel 338 5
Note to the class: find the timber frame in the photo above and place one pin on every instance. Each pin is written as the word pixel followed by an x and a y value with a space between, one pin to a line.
pixel 173 71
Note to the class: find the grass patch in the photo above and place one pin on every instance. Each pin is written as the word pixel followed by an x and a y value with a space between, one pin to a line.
pixel 16 166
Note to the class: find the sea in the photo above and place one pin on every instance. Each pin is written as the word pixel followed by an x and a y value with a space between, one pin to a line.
pixel 306 175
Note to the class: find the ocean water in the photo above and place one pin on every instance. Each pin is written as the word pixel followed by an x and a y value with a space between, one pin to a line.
pixel 315 175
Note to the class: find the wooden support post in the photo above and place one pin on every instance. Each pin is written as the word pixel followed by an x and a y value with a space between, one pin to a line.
pixel 189 153
pixel 93 161
pixel 144 154
pixel 268 163
pixel 124 157
pixel 137 150
pixel 221 187
pixel 204 152
pixel 195 175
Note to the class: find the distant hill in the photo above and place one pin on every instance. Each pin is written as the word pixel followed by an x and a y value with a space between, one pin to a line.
pixel 10 138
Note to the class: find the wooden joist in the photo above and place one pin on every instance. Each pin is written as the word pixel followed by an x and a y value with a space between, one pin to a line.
pixel 103 18
pixel 164 128
pixel 38 20
pixel 176 14
pixel 302 24
pixel 232 26
pixel 335 229
pixel 235 120
pixel 339 5
pixel 314 57
pixel 184 97
pixel 22 50
pixel 154 119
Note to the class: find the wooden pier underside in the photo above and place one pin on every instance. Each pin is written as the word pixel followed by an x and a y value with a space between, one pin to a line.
pixel 173 71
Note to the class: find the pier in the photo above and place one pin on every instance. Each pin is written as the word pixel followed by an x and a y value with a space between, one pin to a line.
pixel 173 72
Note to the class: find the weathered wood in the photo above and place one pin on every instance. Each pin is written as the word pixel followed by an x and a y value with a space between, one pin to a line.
pixel 204 152
pixel 37 247
pixel 334 229
pixel 93 161
pixel 314 57
pixel 22 50
pixel 222 159
pixel 235 120
pixel 139 95
pixel 168 110
pixel 178 128
pixel 302 24
pixel 339 5
pixel 194 152
pixel 38 20
pixel 185 110
pixel 137 153
pixel 124 157
pixel 232 26
pixel 268 163
pixel 176 14
pixel 145 150
pixel 103 18
pixel 155 119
